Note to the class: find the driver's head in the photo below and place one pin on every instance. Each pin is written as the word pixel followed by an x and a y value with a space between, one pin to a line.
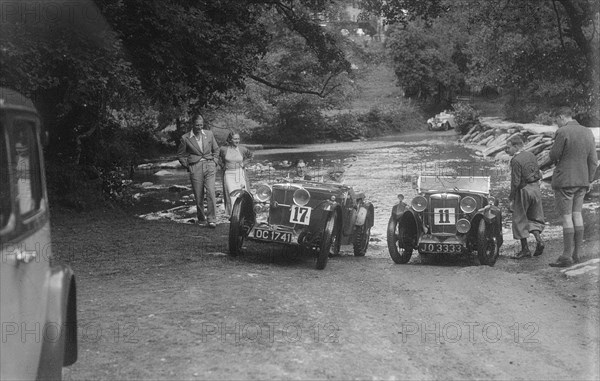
pixel 301 168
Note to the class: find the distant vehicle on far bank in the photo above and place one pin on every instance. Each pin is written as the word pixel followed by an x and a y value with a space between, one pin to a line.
pixel 441 122
pixel 37 300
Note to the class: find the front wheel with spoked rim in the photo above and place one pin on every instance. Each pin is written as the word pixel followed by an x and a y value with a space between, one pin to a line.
pixel 329 240
pixel 397 242
pixel 486 245
pixel 239 226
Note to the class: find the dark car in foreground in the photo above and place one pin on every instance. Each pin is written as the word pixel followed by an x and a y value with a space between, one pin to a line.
pixel 450 216
pixel 316 216
pixel 38 311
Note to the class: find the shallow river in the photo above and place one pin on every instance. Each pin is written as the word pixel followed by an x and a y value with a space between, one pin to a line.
pixel 380 168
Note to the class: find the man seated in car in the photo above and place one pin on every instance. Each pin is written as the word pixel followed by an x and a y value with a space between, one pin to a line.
pixel 301 171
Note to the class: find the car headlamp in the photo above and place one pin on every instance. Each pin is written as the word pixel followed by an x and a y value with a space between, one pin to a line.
pixel 263 193
pixel 260 208
pixel 463 226
pixel 419 203
pixel 301 197
pixel 468 204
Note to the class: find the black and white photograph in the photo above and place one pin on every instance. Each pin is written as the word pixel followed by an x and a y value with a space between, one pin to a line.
pixel 299 190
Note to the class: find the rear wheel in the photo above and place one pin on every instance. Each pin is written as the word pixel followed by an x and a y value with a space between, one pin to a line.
pixel 361 240
pixel 396 237
pixel 362 235
pixel 328 241
pixel 446 126
pixel 239 226
pixel 486 245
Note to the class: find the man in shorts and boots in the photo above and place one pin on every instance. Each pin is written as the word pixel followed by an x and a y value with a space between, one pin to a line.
pixel 525 197
pixel 574 153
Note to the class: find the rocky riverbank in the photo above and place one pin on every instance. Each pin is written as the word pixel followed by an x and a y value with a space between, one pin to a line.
pixel 492 134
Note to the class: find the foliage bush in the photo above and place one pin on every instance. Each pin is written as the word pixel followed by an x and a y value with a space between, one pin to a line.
pixel 307 127
pixel 521 111
pixel 302 125
pixel 286 119
pixel 73 186
pixel 404 117
pixel 465 116
pixel 375 121
pixel 345 127
pixel 545 118
pixel 102 173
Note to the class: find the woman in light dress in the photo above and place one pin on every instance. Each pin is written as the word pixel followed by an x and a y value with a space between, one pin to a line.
pixel 234 159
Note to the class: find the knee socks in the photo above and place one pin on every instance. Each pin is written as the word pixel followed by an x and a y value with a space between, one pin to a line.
pixel 578 240
pixel 568 241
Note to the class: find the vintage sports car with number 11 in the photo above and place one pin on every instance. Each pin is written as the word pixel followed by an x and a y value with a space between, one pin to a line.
pixel 316 216
pixel 449 216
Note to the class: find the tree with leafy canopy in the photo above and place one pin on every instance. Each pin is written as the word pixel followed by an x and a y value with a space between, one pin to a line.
pixel 423 60
pixel 173 56
pixel 72 66
pixel 540 49
pixel 546 51
pixel 289 65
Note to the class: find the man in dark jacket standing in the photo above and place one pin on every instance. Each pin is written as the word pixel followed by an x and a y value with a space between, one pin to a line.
pixel 574 153
pixel 525 197
pixel 198 153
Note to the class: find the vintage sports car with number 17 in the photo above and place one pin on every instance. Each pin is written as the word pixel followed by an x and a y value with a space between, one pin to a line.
pixel 316 216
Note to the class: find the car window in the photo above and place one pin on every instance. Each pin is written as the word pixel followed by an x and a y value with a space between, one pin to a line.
pixel 5 200
pixel 24 152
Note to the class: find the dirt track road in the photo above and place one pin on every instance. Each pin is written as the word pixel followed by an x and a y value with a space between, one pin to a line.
pixel 146 314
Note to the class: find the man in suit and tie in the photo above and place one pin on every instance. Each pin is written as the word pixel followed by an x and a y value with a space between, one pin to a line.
pixel 198 153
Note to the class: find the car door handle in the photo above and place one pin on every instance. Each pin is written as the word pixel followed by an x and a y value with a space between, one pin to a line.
pixel 24 256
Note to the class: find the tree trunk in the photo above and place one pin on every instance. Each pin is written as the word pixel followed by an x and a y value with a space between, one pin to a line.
pixel 79 143
pixel 579 14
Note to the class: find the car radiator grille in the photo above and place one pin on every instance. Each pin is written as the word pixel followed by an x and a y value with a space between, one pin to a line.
pixel 281 214
pixel 443 213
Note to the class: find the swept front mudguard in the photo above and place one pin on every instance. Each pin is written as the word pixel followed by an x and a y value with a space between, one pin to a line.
pixel 61 318
pixel 366 215
pixel 245 195
pixel 493 219
pixel 330 206
pixel 239 192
